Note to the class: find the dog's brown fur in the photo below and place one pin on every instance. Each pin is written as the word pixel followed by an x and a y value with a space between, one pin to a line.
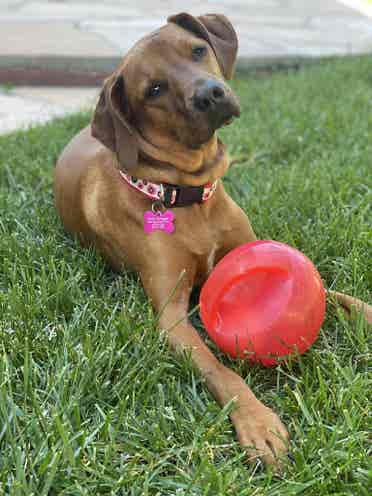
pixel 165 139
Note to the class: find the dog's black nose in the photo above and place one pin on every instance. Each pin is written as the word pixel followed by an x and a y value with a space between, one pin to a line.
pixel 208 95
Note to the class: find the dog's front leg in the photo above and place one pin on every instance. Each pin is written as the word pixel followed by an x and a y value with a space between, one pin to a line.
pixel 258 428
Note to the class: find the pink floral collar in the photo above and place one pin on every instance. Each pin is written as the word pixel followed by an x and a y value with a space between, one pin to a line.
pixel 171 195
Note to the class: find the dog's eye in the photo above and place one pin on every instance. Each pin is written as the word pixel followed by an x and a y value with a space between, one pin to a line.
pixel 199 52
pixel 155 90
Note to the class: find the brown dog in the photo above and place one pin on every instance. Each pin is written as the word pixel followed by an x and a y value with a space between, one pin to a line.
pixel 156 120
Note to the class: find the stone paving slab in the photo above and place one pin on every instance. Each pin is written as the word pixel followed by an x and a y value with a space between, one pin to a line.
pixel 69 98
pixel 63 39
pixel 362 6
pixel 46 38
pixel 266 28
pixel 25 106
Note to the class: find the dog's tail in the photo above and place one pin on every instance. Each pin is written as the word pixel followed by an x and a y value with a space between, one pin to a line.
pixel 348 303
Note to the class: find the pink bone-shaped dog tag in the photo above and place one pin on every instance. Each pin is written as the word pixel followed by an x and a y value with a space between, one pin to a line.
pixel 158 221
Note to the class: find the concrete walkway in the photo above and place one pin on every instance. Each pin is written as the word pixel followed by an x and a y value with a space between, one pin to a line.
pixel 23 106
pixel 72 41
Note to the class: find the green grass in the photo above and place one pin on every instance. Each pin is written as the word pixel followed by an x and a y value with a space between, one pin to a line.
pixel 6 87
pixel 92 402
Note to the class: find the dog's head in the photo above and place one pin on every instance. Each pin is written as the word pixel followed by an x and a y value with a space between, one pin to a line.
pixel 170 88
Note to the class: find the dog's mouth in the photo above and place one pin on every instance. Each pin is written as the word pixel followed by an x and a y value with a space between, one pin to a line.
pixel 224 117
pixel 225 113
pixel 228 121
pixel 205 132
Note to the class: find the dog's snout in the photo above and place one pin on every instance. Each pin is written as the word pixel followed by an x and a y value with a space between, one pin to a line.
pixel 208 95
pixel 216 102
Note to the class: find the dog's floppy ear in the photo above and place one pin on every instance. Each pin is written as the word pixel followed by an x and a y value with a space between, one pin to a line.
pixel 110 125
pixel 218 31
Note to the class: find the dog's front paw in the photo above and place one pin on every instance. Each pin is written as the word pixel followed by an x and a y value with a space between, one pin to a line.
pixel 262 434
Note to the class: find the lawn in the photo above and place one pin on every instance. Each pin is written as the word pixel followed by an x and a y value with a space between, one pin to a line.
pixel 92 402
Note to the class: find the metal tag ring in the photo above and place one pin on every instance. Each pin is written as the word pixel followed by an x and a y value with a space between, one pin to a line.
pixel 158 207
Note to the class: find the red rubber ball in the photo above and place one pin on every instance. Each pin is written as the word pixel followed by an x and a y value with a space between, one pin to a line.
pixel 263 301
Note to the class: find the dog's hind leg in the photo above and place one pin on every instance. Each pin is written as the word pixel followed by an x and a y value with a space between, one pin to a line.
pixel 348 303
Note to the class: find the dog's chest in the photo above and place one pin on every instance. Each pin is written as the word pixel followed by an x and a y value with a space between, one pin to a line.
pixel 202 237
pixel 206 262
